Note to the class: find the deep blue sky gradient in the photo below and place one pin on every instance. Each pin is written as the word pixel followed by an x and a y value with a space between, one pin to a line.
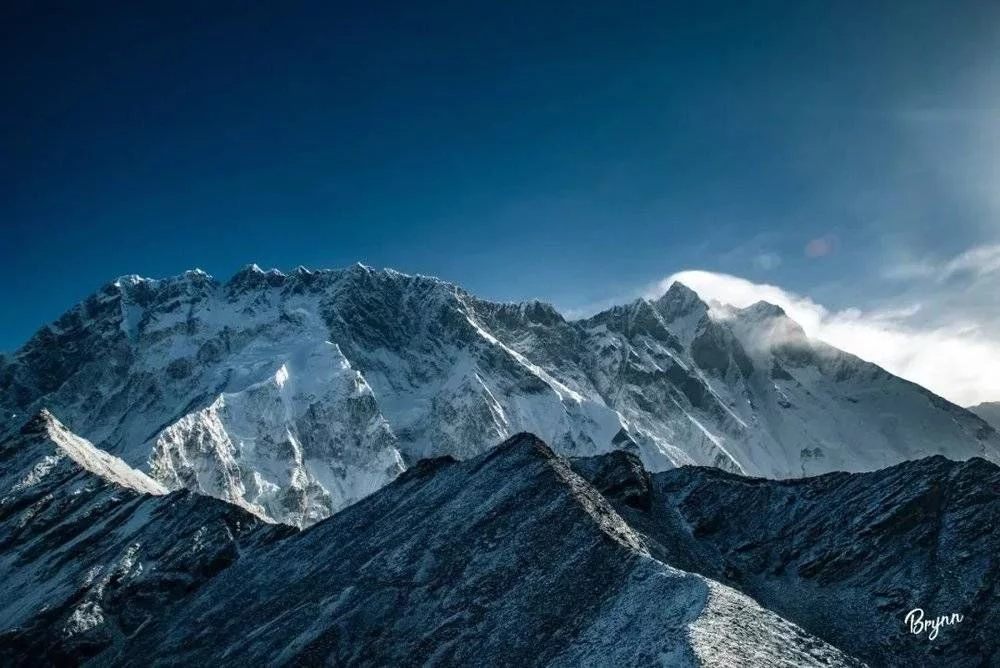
pixel 571 151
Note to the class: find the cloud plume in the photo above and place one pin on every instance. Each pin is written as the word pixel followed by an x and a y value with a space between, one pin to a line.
pixel 942 331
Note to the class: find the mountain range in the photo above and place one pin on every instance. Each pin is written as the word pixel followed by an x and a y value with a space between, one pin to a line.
pixel 295 395
pixel 514 556
pixel 361 467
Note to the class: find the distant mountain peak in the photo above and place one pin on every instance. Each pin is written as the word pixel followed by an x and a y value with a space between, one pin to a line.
pixel 989 411
pixel 678 293
pixel 763 309
pixel 251 277
pixel 763 325
pixel 129 279
pixel 679 300
pixel 196 273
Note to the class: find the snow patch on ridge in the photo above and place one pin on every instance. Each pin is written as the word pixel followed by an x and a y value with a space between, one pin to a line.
pixel 83 453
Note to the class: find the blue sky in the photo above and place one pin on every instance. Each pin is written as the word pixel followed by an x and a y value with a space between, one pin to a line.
pixel 576 152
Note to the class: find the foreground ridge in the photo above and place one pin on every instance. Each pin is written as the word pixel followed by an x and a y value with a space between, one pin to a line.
pixel 846 556
pixel 509 557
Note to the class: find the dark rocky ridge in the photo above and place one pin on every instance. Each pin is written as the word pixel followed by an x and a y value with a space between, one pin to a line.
pixel 845 556
pixel 509 558
pixel 88 560
pixel 516 556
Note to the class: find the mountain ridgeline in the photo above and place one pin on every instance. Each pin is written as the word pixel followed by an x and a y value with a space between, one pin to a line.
pixel 295 395
pixel 516 556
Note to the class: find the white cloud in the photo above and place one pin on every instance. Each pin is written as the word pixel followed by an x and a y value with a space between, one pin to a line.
pixel 980 261
pixel 942 335
pixel 976 262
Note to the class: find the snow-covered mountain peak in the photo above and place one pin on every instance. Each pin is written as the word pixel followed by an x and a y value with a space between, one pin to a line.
pixel 252 277
pixel 764 326
pixel 679 300
pixel 296 394
pixel 196 274
pixel 531 313
pixel 136 293
pixel 641 317
pixel 683 312
pixel 762 310
pixel 538 311
pixel 129 280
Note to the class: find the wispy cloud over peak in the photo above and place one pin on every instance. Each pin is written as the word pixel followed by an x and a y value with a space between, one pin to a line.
pixel 939 334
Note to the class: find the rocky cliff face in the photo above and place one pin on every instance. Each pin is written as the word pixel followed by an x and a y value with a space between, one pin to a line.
pixel 295 395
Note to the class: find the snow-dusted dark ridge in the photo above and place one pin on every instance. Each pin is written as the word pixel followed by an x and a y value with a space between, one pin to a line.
pixel 91 551
pixel 507 558
pixel 294 395
pixel 514 556
pixel 845 556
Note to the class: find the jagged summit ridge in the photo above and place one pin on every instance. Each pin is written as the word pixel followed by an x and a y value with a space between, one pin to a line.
pixel 254 276
pixel 178 378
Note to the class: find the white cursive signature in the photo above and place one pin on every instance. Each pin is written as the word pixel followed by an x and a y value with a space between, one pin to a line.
pixel 915 620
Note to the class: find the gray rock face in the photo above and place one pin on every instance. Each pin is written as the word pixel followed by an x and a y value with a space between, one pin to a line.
pixel 295 395
pixel 845 556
